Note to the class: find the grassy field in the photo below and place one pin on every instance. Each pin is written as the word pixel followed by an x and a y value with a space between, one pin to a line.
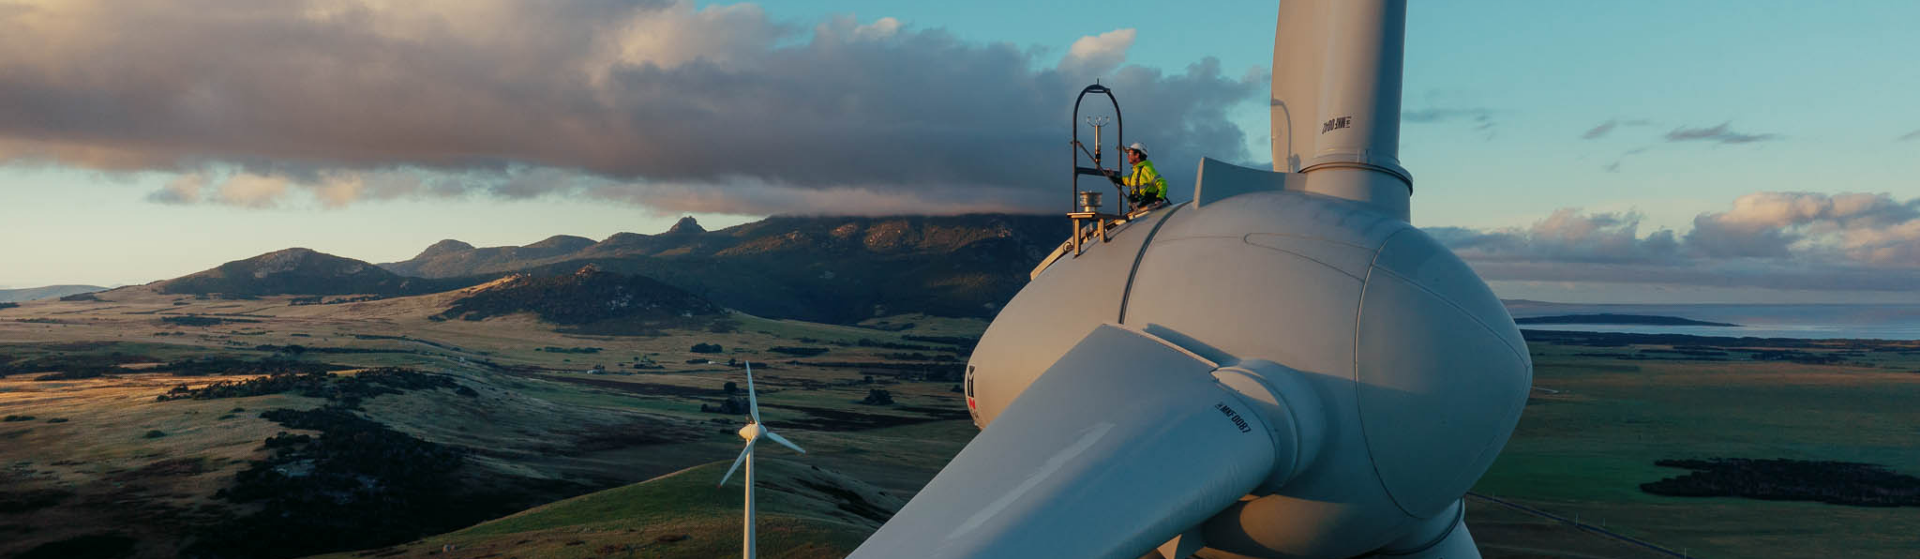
pixel 591 417
pixel 565 413
pixel 805 512
pixel 1596 424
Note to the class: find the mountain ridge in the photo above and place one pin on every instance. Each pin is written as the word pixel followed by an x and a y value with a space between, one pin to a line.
pixel 832 269
pixel 303 271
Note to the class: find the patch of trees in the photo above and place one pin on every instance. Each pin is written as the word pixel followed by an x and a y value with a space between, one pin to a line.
pixel 346 392
pixel 704 347
pixel 227 366
pixel 358 484
pixel 72 366
pixel 869 342
pixel 13 418
pixel 1839 483
pixel 917 356
pixel 941 372
pixel 573 350
pixel 202 321
pixel 8 305
pixel 1796 356
pixel 318 300
pixel 958 341
pixel 799 351
pixel 76 374
pixel 878 397
pixel 296 350
pixel 1688 351
pixel 733 405
pixel 80 297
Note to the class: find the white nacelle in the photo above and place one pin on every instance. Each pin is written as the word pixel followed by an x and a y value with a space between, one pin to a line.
pixel 1282 368
pixel 1417 367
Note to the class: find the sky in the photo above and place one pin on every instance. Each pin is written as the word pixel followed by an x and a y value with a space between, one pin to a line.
pixel 1631 151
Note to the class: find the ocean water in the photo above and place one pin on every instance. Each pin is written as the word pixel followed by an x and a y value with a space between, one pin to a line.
pixel 1870 322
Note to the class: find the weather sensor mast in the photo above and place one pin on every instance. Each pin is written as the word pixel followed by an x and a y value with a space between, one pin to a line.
pixel 1336 99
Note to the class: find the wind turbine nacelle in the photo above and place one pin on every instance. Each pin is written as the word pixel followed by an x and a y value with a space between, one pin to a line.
pixel 1386 371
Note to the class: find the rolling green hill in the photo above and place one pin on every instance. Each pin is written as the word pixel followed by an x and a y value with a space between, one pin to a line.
pixel 804 512
pixel 589 301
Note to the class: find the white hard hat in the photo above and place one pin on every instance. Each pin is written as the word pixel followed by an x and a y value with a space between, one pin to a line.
pixel 1137 146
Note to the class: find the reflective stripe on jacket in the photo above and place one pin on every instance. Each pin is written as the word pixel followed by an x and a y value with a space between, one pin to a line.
pixel 1146 180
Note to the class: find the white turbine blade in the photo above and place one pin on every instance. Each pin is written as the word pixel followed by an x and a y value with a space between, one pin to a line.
pixel 784 442
pixel 736 462
pixel 1121 445
pixel 753 402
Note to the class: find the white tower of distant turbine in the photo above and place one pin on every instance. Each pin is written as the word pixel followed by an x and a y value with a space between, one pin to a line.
pixel 752 433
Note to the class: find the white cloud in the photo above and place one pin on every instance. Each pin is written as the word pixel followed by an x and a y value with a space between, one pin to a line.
pixel 1094 55
pixel 1775 240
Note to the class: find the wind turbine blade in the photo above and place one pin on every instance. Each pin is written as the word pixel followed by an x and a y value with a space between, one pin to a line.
pixel 753 402
pixel 1124 443
pixel 784 442
pixel 736 462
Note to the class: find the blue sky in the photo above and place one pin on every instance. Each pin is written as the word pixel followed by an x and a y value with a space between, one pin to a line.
pixel 1787 104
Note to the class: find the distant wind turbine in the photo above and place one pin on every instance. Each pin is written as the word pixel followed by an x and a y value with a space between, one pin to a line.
pixel 752 433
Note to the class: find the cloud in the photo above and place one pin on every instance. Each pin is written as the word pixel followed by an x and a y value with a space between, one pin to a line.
pixel 1423 116
pixel 1565 236
pixel 1614 167
pixel 1098 54
pixel 1871 229
pixel 342 101
pixel 1777 240
pixel 1602 129
pixel 1910 136
pixel 1717 134
pixel 1481 118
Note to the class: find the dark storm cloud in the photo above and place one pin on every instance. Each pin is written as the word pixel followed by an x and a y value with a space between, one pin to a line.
pixel 621 99
pixel 1781 240
pixel 1717 134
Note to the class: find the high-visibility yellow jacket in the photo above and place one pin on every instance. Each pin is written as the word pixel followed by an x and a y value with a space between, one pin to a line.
pixel 1146 180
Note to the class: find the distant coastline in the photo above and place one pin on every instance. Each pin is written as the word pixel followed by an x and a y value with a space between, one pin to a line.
pixel 1620 319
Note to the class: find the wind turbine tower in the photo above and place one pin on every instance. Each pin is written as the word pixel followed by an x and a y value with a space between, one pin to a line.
pixel 753 432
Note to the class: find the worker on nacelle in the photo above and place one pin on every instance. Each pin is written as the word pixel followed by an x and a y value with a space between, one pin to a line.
pixel 1145 185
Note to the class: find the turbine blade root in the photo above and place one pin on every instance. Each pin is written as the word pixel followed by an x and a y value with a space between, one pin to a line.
pixel 736 462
